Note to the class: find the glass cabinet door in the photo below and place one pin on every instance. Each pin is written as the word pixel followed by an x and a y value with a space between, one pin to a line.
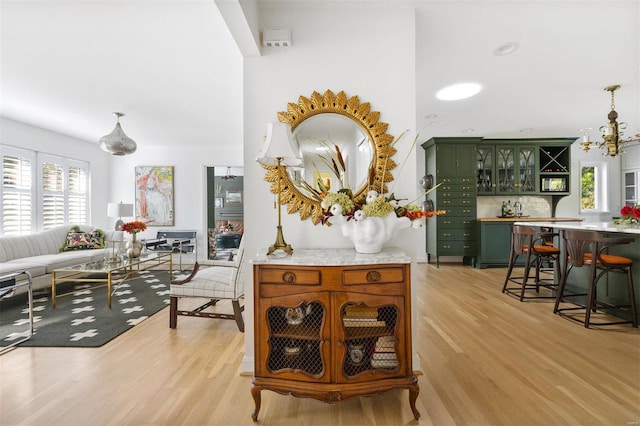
pixel 505 164
pixel 526 170
pixel 484 170
pixel 516 170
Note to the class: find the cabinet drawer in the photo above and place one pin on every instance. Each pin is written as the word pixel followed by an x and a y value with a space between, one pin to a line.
pixel 456 248
pixel 456 222
pixel 456 234
pixel 373 276
pixel 291 276
pixel 457 200
pixel 468 212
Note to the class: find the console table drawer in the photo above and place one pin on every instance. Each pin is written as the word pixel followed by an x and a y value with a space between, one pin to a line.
pixel 290 276
pixel 373 276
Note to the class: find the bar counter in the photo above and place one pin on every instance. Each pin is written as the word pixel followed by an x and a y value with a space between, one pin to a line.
pixel 528 219
pixel 613 287
pixel 585 226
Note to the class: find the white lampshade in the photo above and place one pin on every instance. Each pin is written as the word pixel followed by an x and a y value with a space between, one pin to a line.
pixel 279 144
pixel 119 210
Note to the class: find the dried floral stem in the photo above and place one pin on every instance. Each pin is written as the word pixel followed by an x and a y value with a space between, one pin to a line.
pixel 423 195
pixel 415 141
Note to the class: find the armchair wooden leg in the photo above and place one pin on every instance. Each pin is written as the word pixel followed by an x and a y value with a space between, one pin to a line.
pixel 173 312
pixel 237 314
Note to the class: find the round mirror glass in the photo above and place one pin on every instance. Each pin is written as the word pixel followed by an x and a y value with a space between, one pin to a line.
pixel 316 138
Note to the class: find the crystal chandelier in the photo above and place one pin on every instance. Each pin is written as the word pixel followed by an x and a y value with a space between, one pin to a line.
pixel 117 142
pixel 612 135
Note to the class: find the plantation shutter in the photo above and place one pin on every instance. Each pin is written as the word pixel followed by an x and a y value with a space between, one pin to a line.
pixel 17 194
pixel 52 195
pixel 77 195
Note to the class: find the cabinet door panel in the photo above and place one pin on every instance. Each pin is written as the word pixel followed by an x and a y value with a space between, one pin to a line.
pixel 296 333
pixel 370 337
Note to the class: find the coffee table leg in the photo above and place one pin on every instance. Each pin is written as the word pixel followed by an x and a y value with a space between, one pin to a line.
pixel 53 290
pixel 109 290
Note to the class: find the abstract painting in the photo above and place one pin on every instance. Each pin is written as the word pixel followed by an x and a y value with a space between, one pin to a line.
pixel 154 195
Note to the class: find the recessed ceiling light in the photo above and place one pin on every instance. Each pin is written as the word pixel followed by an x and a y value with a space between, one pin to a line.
pixel 458 91
pixel 528 129
pixel 430 116
pixel 468 130
pixel 506 49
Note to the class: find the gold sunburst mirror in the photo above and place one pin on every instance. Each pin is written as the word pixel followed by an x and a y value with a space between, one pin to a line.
pixel 319 123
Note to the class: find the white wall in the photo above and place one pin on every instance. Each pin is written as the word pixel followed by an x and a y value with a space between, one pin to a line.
pixel 190 202
pixel 365 52
pixel 25 136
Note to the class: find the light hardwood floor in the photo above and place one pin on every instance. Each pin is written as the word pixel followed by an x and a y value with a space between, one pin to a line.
pixel 487 359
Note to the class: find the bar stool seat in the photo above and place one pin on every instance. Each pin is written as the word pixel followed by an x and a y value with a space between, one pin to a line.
pixel 538 248
pixel 580 249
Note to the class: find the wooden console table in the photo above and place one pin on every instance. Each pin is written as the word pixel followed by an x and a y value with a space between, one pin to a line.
pixel 333 324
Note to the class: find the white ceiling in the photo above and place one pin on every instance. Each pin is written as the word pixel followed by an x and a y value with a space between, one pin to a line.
pixel 170 66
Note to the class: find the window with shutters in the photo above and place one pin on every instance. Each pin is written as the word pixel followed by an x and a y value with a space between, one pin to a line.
pixel 41 191
pixel 17 207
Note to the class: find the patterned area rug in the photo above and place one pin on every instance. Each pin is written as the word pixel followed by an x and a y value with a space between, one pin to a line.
pixel 81 317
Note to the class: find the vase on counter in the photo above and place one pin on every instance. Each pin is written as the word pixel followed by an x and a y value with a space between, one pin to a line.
pixel 134 247
pixel 369 234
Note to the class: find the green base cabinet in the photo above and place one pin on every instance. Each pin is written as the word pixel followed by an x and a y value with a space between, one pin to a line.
pixel 495 244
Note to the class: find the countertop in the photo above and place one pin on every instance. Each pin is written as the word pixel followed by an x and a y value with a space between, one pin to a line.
pixel 529 219
pixel 590 226
pixel 330 257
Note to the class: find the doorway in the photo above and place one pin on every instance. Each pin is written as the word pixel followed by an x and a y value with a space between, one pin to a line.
pixel 225 211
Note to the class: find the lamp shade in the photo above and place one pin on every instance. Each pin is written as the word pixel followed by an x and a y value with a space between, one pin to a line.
pixel 279 144
pixel 119 210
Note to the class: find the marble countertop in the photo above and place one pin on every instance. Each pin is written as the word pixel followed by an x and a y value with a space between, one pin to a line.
pixel 330 257
pixel 586 226
pixel 529 219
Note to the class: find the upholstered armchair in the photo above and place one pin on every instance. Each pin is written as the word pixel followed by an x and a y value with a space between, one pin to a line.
pixel 220 281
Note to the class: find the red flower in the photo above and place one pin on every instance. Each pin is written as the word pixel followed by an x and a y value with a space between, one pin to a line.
pixel 134 227
pixel 636 213
pixel 626 211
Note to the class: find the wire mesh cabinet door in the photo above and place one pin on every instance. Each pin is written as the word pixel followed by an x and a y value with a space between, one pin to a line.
pixel 296 339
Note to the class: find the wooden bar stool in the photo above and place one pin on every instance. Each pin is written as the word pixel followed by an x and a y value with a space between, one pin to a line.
pixel 539 249
pixel 587 248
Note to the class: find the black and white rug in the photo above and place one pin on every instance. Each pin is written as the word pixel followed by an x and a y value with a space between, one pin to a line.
pixel 81 317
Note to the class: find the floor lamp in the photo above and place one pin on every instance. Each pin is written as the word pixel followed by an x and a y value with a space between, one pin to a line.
pixel 119 210
pixel 278 151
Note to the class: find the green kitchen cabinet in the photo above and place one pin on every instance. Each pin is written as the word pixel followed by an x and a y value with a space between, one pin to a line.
pixel 523 167
pixel 451 163
pixel 495 244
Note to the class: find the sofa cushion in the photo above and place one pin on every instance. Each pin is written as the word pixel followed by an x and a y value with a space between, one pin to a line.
pixel 78 240
pixel 67 258
pixel 33 268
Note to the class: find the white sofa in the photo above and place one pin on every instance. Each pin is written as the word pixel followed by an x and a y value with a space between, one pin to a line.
pixel 40 254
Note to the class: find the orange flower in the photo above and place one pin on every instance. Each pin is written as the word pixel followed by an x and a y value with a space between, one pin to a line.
pixel 134 227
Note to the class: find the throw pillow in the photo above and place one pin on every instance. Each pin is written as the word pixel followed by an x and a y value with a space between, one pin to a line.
pixel 78 240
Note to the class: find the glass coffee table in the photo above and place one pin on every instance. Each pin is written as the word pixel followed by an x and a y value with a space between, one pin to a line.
pixel 108 272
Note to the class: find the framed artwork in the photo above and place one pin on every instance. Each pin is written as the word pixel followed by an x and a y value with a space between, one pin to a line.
pixel 219 203
pixel 154 195
pixel 233 196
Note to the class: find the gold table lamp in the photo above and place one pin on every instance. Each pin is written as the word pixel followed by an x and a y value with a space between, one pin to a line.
pixel 278 150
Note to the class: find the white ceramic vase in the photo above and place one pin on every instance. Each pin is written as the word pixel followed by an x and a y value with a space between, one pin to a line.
pixel 371 233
